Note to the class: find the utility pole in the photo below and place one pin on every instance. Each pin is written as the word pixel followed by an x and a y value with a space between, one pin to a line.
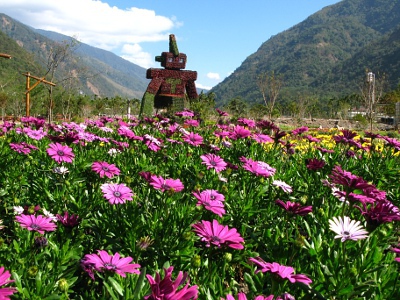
pixel 371 96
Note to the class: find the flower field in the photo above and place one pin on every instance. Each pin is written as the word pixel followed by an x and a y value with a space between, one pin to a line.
pixel 177 208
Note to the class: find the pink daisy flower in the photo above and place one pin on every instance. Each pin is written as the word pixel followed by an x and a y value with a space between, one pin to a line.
pixel 239 132
pixel 35 134
pixel 213 161
pixel 280 271
pixel 105 169
pixel 23 147
pixel 191 122
pixel 246 122
pixel 162 184
pixel 36 223
pixel 242 296
pixel 185 113
pixel 60 153
pixel 116 193
pixel 193 139
pixel 214 195
pixel 4 279
pixel 218 235
pixel 215 206
pixel 262 138
pixel 167 288
pixel 259 168
pixel 221 113
pixel 104 262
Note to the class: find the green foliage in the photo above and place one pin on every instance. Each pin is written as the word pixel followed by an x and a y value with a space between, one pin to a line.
pixel 237 107
pixel 204 105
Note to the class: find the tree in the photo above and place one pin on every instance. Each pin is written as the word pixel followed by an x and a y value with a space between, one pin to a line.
pixel 258 111
pixel 3 103
pixel 237 107
pixel 204 104
pixel 58 55
pixel 270 85
pixel 389 101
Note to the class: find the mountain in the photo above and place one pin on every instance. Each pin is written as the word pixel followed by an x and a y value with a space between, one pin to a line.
pixel 325 55
pixel 98 71
pixel 11 69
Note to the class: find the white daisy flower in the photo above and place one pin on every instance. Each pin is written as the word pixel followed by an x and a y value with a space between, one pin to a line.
pixel 347 229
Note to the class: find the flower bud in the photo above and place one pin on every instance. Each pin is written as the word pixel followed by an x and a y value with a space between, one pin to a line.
pixel 228 257
pixel 32 271
pixel 31 210
pixel 196 261
pixel 40 242
pixel 187 236
pixel 63 285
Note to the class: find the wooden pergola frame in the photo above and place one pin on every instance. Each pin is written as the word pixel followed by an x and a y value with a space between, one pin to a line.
pixel 29 88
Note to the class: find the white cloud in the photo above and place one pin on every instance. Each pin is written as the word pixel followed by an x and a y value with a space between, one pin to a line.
pixel 214 76
pixel 135 54
pixel 204 87
pixel 95 23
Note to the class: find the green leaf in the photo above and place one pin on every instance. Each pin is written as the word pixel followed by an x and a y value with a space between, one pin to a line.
pixel 208 295
pixel 118 288
pixel 38 280
pixel 344 291
pixel 16 246
pixel 326 270
pixel 110 291
pixel 139 283
pixel 249 279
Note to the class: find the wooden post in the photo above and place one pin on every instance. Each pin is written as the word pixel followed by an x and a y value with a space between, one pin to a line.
pixel 27 95
pixel 5 55
pixel 30 88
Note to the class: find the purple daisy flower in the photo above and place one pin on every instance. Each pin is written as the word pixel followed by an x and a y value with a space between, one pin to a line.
pixel 294 208
pixel 347 179
pixel 314 164
pixel 68 220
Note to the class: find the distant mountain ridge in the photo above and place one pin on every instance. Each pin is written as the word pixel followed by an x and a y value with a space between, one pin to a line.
pixel 105 74
pixel 325 55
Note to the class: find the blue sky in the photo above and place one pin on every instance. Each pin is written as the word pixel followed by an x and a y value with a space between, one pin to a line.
pixel 217 36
